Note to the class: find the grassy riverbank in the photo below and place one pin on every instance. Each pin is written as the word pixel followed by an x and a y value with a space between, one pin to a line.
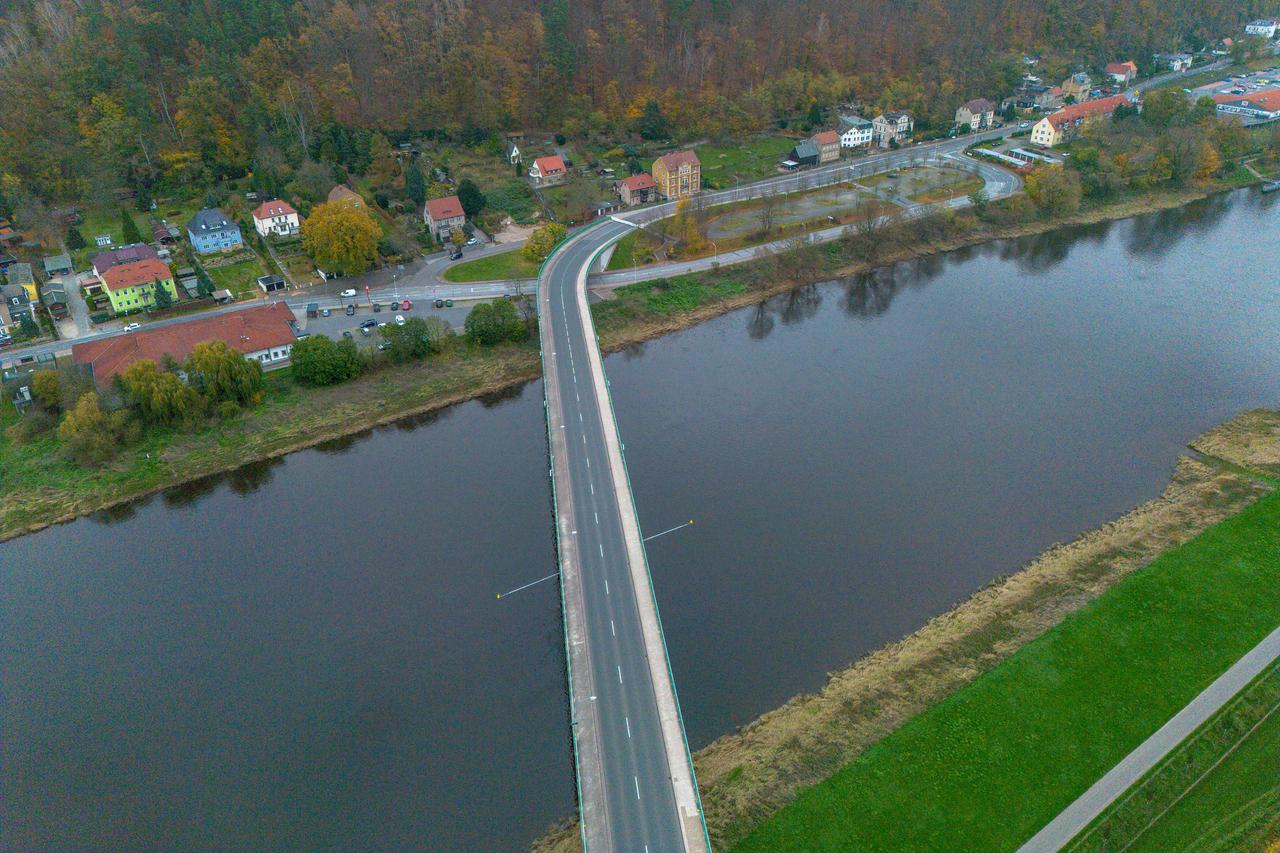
pixel 500 266
pixel 39 486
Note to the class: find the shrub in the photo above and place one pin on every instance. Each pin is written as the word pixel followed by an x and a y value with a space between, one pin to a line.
pixel 318 361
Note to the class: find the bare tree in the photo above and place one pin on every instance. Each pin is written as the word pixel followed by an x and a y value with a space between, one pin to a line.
pixel 768 210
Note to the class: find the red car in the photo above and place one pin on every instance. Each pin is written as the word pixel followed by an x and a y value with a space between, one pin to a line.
pixel 408 306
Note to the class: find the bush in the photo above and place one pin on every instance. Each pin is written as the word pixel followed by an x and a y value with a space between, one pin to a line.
pixel 542 241
pixel 491 323
pixel 46 387
pixel 99 316
pixel 417 338
pixel 318 361
pixel 32 425
pixel 92 436
pixel 220 373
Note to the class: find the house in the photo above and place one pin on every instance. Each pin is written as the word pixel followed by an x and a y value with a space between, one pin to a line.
pixel 276 218
pixel 855 131
pixel 803 153
pixel 828 145
pixel 892 127
pixel 21 275
pixel 637 189
pixel 161 234
pixel 1122 73
pixel 56 265
pixel 54 296
pixel 104 261
pixel 442 215
pixel 978 114
pixel 678 175
pixel 16 303
pixel 265 333
pixel 346 195
pixel 548 171
pixel 1174 61
pixel 211 231
pixel 1077 87
pixel 1254 108
pixel 131 286
pixel 1057 128
pixel 511 151
pixel 1265 27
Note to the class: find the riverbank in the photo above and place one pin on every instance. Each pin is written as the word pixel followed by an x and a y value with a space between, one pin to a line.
pixel 754 774
pixel 41 488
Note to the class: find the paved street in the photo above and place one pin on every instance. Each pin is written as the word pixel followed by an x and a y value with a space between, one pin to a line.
pixel 1072 821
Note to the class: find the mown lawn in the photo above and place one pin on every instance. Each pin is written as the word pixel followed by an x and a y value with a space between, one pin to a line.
pixel 623 253
pixel 504 265
pixel 989 766
pixel 663 297
pixel 748 161
pixel 240 278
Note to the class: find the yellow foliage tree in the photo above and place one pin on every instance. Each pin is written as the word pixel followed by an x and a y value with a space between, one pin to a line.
pixel 341 238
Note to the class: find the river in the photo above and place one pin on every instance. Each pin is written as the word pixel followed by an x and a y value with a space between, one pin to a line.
pixel 309 653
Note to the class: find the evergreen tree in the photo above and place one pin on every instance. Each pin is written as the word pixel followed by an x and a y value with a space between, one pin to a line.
pixel 28 326
pixel 415 187
pixel 204 285
pixel 129 228
pixel 653 124
pixel 472 200
pixel 75 240
pixel 161 297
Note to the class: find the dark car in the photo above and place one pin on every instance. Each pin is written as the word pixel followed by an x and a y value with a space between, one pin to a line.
pixel 368 324
pixel 395 306
pixel 346 333
pixel 439 303
pixel 448 303
pixel 456 255
pixel 351 310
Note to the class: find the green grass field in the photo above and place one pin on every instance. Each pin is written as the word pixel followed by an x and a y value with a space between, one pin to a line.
pixel 749 161
pixel 986 768
pixel 239 278
pixel 624 253
pixel 504 265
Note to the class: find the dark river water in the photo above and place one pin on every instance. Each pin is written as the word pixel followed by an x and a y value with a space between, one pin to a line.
pixel 310 654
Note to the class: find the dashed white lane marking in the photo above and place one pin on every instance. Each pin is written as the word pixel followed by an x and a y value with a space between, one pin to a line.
pixel 628 727
pixel 619 673
pixel 593 487
pixel 637 781
pixel 612 629
pixel 602 553
pixel 606 587
pixel 597 515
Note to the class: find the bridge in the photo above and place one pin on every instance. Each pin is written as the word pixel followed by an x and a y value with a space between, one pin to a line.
pixel 636 785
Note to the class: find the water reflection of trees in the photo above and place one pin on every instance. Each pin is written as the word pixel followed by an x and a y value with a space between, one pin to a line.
pixel 1154 234
pixel 800 304
pixel 760 323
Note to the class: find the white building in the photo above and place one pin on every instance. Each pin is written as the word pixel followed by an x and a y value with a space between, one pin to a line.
pixel 276 218
pixel 854 131
pixel 893 126
pixel 1265 27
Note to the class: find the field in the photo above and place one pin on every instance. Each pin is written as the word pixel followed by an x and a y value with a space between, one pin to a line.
pixel 1219 790
pixel 239 278
pixel 623 253
pixel 948 190
pixel 725 165
pixel 1041 727
pixel 503 265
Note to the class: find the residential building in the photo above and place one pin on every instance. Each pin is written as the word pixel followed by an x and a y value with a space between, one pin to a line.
pixel 54 297
pixel 678 174
pixel 548 171
pixel 1065 123
pixel 637 189
pixel 855 131
pixel 1265 27
pixel 16 303
pixel 893 126
pixel 978 114
pixel 442 215
pixel 828 144
pixel 1253 108
pixel 211 231
pixel 511 151
pixel 276 218
pixel 1174 61
pixel 1122 73
pixel 131 286
pixel 346 195
pixel 1077 87
pixel 265 333
pixel 56 265
pixel 803 153
pixel 21 275
pixel 104 261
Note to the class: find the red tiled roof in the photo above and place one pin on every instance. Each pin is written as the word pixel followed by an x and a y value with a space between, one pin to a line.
pixel 342 193
pixel 676 159
pixel 1084 109
pixel 275 207
pixel 258 328
pixel 1268 100
pixel 642 181
pixel 827 137
pixel 1121 68
pixel 550 165
pixel 444 208
pixel 135 273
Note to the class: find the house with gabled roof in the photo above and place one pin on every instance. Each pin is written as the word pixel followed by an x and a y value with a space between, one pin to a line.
pixel 678 175
pixel 211 230
pixel 548 171
pixel 443 215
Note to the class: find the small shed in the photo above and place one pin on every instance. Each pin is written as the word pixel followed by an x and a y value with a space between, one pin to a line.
pixel 271 283
pixel 222 296
pixel 805 153
pixel 56 265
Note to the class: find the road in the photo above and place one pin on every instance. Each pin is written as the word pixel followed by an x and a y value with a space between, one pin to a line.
pixel 635 777
pixel 1075 817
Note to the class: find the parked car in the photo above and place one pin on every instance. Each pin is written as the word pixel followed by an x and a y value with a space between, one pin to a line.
pixel 365 330
pixel 325 312
pixel 408 306
pixel 351 310
pixel 369 324
pixel 130 327
pixel 457 254
pixel 348 293
pixel 400 321
pixel 472 241
pixel 1023 125
pixel 395 306
pixel 346 333
pixel 439 303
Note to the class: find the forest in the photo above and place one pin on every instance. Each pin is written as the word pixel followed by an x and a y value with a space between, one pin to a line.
pixel 155 95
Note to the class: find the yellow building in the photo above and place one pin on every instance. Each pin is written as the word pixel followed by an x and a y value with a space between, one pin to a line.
pixel 131 287
pixel 678 175
pixel 21 275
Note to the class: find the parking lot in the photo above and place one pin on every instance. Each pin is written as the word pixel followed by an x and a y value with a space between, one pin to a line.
pixel 1268 78
pixel 339 321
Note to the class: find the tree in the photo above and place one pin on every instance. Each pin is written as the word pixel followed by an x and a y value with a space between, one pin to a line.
pixel 470 197
pixel 28 326
pixel 161 297
pixel 129 228
pixel 220 373
pixel 46 387
pixel 814 118
pixel 979 199
pixel 542 241
pixel 415 188
pixel 417 338
pixel 75 240
pixel 1166 108
pixel 318 361
pixel 491 323
pixel 159 396
pixel 91 434
pixel 341 238
pixel 1054 190
pixel 653 124
pixel 204 284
